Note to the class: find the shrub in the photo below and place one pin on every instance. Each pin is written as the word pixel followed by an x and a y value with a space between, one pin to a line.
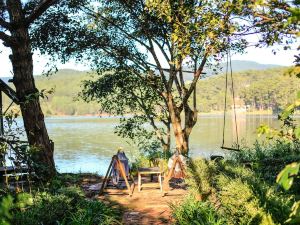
pixel 46 209
pixel 195 212
pixel 268 159
pixel 66 207
pixel 92 212
pixel 240 194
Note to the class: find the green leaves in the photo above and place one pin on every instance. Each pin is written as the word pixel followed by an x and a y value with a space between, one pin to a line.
pixel 295 214
pixel 5 206
pixel 286 177
pixel 288 111
pixel 297 132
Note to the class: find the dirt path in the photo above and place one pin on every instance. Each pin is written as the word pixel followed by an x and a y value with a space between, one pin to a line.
pixel 146 207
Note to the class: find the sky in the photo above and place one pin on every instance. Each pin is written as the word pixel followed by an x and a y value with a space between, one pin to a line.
pixel 259 55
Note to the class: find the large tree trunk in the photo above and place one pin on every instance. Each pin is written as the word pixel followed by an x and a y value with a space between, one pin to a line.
pixel 28 94
pixel 181 139
pixel 182 130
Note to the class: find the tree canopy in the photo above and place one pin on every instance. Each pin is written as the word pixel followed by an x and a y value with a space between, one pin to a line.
pixel 157 41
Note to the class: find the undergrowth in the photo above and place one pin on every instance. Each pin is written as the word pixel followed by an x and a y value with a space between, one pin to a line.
pixel 55 204
pixel 240 190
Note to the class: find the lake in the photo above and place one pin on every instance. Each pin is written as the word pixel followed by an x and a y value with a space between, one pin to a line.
pixel 86 144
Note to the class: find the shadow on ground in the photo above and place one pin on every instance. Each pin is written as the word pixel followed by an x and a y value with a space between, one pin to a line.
pixel 142 208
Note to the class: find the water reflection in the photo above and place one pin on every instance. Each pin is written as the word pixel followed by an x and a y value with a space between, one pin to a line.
pixel 86 144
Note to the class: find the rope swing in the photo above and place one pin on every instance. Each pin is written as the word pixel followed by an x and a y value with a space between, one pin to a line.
pixel 229 67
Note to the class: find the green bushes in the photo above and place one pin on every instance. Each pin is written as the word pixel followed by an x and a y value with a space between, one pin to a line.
pixel 238 193
pixel 195 212
pixel 268 159
pixel 66 206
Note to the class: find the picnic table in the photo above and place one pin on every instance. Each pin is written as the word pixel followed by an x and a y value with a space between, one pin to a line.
pixel 149 171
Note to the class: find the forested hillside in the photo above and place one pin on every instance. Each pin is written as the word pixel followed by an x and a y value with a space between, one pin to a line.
pixel 66 85
pixel 258 89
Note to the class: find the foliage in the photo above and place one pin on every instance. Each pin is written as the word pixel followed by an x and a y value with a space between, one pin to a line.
pixel 289 130
pixel 239 193
pixel 244 192
pixel 66 205
pixel 193 212
pixel 118 37
pixel 286 177
pixel 5 207
pixel 268 159
pixel 289 133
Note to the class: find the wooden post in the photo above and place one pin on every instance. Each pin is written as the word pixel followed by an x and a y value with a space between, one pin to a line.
pixel 1 127
pixel 1 118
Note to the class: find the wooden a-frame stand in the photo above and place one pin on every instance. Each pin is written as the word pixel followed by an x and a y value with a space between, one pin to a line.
pixel 166 186
pixel 120 167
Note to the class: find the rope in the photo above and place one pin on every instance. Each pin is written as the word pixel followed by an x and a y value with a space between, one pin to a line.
pixel 229 64
pixel 225 101
pixel 234 105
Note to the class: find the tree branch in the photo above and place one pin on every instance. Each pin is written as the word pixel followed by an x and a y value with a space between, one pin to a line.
pixel 153 53
pixel 162 50
pixel 97 16
pixel 39 10
pixel 196 78
pixel 5 24
pixel 8 40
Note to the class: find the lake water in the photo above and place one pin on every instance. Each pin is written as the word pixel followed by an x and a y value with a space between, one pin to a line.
pixel 87 144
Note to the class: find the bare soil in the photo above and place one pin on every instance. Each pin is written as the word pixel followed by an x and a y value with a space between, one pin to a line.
pixel 146 207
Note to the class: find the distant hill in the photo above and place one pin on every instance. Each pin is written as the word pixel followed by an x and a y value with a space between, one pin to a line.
pixel 237 66
pixel 250 86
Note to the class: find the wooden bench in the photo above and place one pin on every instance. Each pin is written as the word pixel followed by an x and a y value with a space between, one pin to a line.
pixel 149 171
pixel 10 171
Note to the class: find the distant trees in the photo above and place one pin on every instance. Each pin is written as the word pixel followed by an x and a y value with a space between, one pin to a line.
pixel 250 86
pixel 259 90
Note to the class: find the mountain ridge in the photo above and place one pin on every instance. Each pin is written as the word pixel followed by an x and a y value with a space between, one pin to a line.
pixel 237 66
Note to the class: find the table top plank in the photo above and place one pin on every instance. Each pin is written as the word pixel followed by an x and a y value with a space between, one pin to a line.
pixel 149 170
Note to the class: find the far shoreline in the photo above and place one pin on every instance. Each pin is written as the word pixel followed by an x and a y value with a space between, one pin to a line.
pixel 201 114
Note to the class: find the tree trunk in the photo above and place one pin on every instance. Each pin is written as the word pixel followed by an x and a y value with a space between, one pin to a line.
pixel 181 139
pixel 28 94
pixel 181 134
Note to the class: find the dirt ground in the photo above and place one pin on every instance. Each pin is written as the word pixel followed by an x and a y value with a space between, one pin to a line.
pixel 146 207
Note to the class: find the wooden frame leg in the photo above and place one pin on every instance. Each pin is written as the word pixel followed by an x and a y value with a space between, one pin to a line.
pixel 122 170
pixel 108 173
pixel 139 182
pixel 160 182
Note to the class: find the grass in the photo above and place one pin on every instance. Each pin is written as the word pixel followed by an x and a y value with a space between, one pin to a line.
pixel 61 202
pixel 240 190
